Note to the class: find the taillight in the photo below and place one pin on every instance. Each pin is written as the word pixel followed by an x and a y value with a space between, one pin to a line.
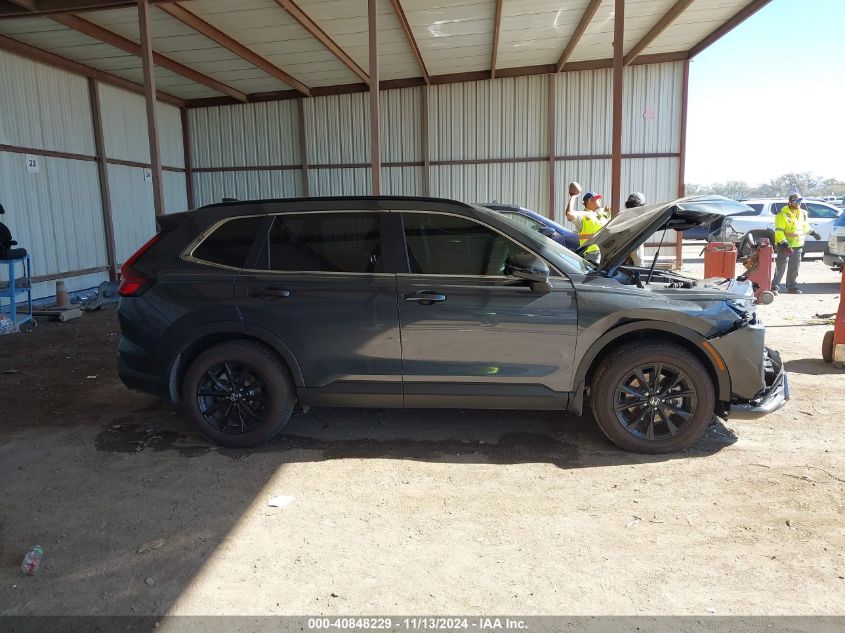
pixel 133 282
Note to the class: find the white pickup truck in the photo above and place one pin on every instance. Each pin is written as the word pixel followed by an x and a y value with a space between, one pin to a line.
pixel 761 223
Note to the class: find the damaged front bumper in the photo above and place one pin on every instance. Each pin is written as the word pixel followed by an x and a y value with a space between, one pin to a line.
pixel 773 396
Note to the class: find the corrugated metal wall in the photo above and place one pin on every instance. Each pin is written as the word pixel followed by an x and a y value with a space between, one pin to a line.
pixel 505 120
pixel 57 213
pixel 125 137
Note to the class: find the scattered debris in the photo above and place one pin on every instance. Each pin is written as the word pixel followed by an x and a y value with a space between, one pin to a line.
pixel 150 581
pixel 634 521
pixel 788 523
pixel 711 610
pixel 280 501
pixel 32 560
pixel 92 377
pixel 150 545
pixel 20 371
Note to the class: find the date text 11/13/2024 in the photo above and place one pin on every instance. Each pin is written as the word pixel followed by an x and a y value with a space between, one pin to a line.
pixel 417 624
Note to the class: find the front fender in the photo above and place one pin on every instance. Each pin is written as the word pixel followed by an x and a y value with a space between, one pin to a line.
pixel 591 347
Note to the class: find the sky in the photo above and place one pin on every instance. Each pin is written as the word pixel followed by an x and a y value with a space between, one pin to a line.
pixel 769 97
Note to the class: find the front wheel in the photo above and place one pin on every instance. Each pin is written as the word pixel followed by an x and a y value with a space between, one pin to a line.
pixel 652 398
pixel 238 394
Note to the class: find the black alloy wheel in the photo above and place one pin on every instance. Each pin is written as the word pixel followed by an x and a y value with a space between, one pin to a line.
pixel 239 393
pixel 232 397
pixel 652 397
pixel 655 401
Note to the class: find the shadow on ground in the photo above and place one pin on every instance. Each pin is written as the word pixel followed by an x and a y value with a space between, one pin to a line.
pixel 811 366
pixel 129 502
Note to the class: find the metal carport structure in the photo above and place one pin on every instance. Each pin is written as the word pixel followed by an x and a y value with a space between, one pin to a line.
pixel 137 108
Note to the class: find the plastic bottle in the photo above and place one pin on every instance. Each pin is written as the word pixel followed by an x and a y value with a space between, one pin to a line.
pixel 32 560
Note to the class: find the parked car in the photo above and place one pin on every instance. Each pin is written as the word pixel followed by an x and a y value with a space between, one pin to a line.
pixel 536 222
pixel 761 222
pixel 702 233
pixel 834 256
pixel 243 311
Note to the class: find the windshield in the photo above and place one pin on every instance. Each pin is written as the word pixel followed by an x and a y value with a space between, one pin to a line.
pixel 573 260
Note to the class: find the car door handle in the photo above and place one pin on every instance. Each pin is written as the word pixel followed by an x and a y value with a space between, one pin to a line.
pixel 269 293
pixel 425 297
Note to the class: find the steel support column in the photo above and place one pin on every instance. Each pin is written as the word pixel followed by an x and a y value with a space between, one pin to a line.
pixel 682 159
pixel 552 134
pixel 189 168
pixel 150 97
pixel 618 67
pixel 375 120
pixel 102 173
pixel 425 145
pixel 303 148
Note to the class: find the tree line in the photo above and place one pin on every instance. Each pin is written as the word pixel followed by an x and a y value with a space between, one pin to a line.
pixel 807 183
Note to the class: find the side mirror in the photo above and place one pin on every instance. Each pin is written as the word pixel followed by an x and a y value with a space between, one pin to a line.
pixel 530 268
pixel 546 230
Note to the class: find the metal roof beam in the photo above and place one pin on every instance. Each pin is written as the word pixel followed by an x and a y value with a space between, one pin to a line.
pixel 57 61
pixel 403 22
pixel 671 15
pixel 18 8
pixel 496 27
pixel 133 48
pixel 321 36
pixel 586 18
pixel 749 10
pixel 210 31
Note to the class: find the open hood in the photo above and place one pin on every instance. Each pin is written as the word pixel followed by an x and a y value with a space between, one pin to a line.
pixel 633 227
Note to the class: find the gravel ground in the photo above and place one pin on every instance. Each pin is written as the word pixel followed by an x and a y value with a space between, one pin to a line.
pixel 415 512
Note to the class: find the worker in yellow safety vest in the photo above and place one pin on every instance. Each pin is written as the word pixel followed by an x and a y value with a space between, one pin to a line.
pixel 791 226
pixel 587 222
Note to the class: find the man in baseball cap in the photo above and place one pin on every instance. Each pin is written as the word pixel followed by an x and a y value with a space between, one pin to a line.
pixel 587 222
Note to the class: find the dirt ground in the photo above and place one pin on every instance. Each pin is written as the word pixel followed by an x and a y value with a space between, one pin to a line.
pixel 414 512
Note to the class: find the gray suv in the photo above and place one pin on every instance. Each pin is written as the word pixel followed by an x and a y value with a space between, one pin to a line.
pixel 245 311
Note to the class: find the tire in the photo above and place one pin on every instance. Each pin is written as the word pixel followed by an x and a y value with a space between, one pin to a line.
pixel 744 249
pixel 695 397
pixel 827 347
pixel 238 394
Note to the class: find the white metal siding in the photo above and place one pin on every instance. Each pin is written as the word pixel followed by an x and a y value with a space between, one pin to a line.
pixel 124 117
pixel 526 184
pixel 584 103
pixel 43 107
pixel 402 181
pixel 657 178
pixel 54 214
pixel 340 182
pixel 504 118
pixel 251 134
pixel 651 111
pixel 133 213
pixel 338 129
pixel 175 192
pixel 210 187
pixel 401 125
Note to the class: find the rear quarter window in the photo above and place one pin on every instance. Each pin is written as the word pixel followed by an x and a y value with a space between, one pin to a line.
pixel 230 243
pixel 841 220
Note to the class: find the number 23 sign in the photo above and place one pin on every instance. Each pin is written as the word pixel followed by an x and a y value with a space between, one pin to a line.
pixel 33 164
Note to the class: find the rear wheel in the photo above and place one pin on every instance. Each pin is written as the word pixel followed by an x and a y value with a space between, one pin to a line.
pixel 652 398
pixel 238 394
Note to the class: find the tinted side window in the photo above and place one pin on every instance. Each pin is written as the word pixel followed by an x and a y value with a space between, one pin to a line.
pixel 230 243
pixel 758 208
pixel 820 211
pixel 441 244
pixel 345 242
pixel 777 206
pixel 523 220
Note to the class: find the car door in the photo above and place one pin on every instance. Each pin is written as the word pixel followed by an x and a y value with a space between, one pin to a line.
pixel 821 218
pixel 472 336
pixel 323 284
